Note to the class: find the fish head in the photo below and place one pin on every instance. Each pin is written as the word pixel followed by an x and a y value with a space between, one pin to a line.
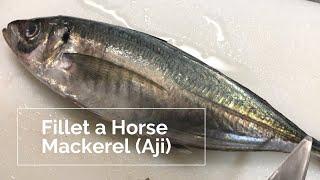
pixel 35 41
pixel 38 43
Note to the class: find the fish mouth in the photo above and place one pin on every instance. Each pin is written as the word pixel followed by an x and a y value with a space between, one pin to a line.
pixel 5 33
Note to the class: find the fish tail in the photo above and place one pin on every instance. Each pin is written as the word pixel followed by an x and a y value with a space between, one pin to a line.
pixel 316 146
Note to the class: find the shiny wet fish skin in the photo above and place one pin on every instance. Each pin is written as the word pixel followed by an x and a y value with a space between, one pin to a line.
pixel 101 65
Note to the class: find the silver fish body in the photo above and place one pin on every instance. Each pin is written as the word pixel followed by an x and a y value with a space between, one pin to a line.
pixel 101 65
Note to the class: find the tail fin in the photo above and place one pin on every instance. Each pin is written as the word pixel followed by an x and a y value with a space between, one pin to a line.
pixel 316 146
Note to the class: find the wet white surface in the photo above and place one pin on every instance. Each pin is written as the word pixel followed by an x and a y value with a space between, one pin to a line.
pixel 271 47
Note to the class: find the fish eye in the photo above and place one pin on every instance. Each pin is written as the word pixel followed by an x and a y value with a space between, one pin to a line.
pixel 32 30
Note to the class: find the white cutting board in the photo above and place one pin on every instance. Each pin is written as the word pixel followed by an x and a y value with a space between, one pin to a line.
pixel 271 47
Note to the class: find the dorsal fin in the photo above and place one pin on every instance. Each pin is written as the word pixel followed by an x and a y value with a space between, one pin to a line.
pixel 159 39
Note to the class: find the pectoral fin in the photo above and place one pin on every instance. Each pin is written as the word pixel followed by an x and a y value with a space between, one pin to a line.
pixel 105 68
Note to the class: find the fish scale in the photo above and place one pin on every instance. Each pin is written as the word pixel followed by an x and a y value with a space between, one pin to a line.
pixel 175 72
pixel 113 66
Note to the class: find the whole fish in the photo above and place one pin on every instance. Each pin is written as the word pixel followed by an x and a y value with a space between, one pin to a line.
pixel 102 65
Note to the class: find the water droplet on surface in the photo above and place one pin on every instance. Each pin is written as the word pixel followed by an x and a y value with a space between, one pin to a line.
pixel 110 12
pixel 219 33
